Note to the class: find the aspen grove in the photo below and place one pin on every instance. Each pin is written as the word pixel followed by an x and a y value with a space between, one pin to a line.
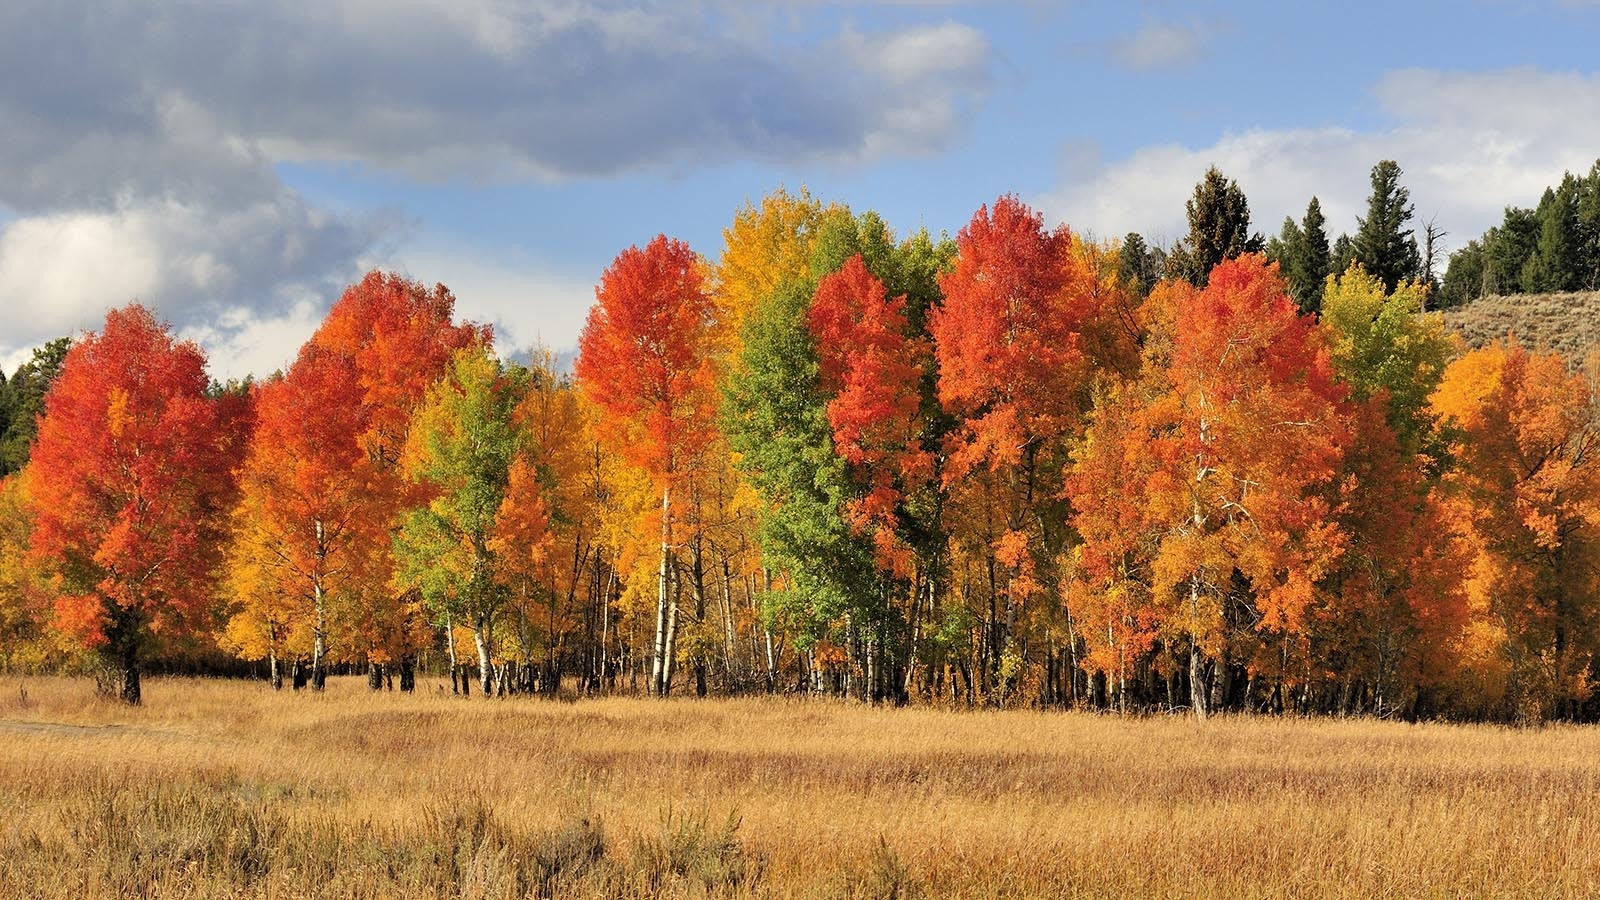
pixel 1008 468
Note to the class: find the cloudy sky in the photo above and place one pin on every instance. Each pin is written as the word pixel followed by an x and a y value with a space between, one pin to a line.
pixel 235 163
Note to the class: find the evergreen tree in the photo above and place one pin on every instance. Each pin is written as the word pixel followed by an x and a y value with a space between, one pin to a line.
pixel 1313 262
pixel 1344 253
pixel 1588 230
pixel 1219 229
pixel 1463 280
pixel 1509 248
pixel 1284 247
pixel 1136 266
pixel 1554 265
pixel 1384 246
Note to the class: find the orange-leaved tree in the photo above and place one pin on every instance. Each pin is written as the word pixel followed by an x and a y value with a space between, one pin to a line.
pixel 399 336
pixel 1525 491
pixel 304 523
pixel 1211 478
pixel 1015 368
pixel 129 481
pixel 644 362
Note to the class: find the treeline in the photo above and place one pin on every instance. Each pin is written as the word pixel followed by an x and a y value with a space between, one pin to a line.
pixel 1016 467
pixel 1552 248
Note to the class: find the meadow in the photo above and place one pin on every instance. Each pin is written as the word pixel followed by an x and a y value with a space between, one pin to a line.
pixel 221 788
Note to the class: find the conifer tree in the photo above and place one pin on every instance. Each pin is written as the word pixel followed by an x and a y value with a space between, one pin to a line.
pixel 1219 229
pixel 1383 244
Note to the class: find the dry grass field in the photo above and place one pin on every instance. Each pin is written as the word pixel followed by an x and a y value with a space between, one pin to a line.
pixel 223 789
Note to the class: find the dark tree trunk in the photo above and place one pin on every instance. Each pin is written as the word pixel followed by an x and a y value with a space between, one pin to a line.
pixel 408 675
pixel 129 692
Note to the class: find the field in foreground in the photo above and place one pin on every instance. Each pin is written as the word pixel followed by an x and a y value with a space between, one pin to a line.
pixel 220 788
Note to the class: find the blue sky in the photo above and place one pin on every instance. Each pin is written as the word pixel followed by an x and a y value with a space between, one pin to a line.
pixel 235 164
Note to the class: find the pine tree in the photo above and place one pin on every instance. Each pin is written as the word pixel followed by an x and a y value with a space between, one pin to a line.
pixel 1509 248
pixel 1384 246
pixel 1219 229
pixel 1588 226
pixel 1554 265
pixel 1314 262
pixel 1463 280
pixel 1136 266
pixel 1284 247
pixel 1344 253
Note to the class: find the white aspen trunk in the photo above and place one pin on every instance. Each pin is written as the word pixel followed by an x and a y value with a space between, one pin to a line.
pixel 319 640
pixel 658 665
pixel 727 618
pixel 480 637
pixel 671 643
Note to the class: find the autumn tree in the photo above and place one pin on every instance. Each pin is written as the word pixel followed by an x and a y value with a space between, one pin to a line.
pixel 1525 492
pixel 1396 609
pixel 1228 443
pixel 643 361
pixel 25 636
pixel 399 336
pixel 1018 336
pixel 309 514
pixel 461 449
pixel 129 479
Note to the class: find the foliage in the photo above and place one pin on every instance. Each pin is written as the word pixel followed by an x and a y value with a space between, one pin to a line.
pixel 128 481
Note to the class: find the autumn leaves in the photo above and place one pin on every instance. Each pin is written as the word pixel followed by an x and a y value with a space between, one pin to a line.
pixel 986 470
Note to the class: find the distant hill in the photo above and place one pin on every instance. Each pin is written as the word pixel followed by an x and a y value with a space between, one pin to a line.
pixel 1566 323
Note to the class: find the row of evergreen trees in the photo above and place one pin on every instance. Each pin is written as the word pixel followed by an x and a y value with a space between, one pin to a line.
pixel 1219 228
pixel 1551 248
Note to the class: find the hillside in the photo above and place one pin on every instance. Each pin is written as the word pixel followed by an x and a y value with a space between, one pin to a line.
pixel 1566 323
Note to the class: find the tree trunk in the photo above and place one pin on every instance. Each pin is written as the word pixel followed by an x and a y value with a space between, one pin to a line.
pixel 276 677
pixel 1197 681
pixel 408 675
pixel 319 644
pixel 671 649
pixel 658 666
pixel 699 616
pixel 129 692
pixel 374 676
pixel 480 638
pixel 450 648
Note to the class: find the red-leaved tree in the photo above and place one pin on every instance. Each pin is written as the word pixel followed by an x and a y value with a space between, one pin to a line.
pixel 129 479
pixel 644 361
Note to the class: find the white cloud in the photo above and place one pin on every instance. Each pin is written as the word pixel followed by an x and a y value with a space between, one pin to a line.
pixel 529 302
pixel 140 139
pixel 1469 143
pixel 196 265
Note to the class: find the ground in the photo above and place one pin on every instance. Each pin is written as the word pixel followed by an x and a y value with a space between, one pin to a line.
pixel 223 788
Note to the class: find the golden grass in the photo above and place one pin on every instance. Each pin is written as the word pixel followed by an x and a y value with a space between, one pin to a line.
pixel 219 788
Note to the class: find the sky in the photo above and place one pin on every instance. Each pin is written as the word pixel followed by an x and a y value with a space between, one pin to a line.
pixel 234 164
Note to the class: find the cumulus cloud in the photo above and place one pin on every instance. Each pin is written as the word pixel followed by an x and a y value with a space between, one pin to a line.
pixel 1470 144
pixel 528 306
pixel 141 139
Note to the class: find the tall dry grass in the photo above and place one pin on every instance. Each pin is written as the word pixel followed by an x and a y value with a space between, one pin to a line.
pixel 219 789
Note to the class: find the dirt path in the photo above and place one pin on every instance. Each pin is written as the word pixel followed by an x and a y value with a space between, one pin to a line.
pixel 19 727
